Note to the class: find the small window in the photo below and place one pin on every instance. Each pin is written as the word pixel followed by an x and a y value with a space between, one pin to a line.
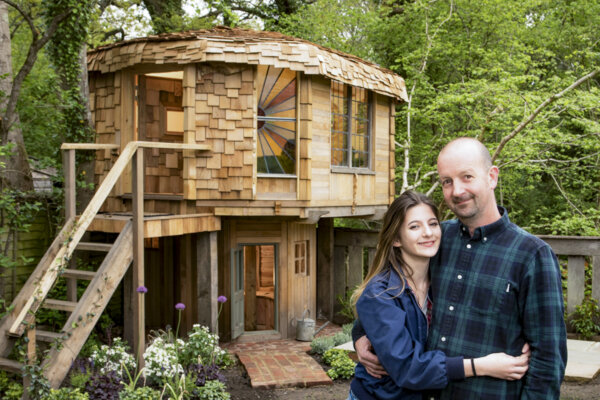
pixel 350 126
pixel 301 259
pixel 174 121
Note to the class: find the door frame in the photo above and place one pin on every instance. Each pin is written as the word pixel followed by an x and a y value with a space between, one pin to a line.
pixel 233 264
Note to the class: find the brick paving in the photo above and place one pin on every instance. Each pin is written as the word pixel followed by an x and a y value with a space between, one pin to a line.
pixel 282 363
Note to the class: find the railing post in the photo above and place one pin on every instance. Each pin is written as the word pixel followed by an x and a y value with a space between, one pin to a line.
pixel 139 318
pixel 70 211
pixel 575 282
pixel 595 260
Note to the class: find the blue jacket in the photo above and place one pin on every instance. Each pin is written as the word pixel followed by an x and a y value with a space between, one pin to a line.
pixel 397 329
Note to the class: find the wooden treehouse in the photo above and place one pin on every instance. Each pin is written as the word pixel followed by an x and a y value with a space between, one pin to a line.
pixel 221 155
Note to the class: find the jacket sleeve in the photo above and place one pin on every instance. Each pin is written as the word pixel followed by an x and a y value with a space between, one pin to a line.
pixel 405 359
pixel 542 308
pixel 357 331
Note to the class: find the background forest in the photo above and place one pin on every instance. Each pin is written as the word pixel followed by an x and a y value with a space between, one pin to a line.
pixel 519 75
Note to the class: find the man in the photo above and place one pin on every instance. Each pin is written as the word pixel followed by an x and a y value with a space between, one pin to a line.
pixel 495 287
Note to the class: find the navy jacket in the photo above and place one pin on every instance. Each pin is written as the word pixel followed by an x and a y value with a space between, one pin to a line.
pixel 382 310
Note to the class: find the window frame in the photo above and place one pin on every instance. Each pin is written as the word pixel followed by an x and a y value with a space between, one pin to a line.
pixel 349 168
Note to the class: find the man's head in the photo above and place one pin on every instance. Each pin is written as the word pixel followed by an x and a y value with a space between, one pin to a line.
pixel 468 181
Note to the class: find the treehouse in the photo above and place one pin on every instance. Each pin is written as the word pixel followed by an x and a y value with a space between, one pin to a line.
pixel 220 156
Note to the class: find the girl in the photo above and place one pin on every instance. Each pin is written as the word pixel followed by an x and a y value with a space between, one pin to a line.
pixel 393 307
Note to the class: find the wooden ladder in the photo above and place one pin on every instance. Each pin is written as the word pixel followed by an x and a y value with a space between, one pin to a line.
pixel 66 344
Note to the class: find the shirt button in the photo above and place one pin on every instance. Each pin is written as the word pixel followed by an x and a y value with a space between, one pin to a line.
pixel 468 246
pixel 443 338
pixel 485 239
pixel 451 308
pixel 459 276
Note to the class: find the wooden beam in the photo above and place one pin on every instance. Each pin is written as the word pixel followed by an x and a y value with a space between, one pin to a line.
pixel 575 282
pixel 70 210
pixel 573 245
pixel 139 318
pixel 89 146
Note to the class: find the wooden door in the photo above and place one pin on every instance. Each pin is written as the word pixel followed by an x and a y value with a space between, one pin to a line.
pixel 237 292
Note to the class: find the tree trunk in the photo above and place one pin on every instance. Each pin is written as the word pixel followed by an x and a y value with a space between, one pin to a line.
pixel 17 173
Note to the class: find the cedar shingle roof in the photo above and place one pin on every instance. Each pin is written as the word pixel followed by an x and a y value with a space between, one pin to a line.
pixel 244 46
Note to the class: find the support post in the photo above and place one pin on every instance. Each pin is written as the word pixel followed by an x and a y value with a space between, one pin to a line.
pixel 575 282
pixel 70 211
pixel 207 279
pixel 138 304
pixel 30 358
pixel 325 276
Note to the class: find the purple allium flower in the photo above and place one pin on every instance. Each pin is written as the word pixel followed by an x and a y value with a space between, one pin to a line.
pixel 221 299
pixel 180 306
pixel 142 289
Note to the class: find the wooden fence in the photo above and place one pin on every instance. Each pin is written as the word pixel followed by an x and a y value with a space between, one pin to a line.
pixel 354 250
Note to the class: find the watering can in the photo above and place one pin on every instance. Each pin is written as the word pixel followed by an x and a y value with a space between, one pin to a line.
pixel 305 328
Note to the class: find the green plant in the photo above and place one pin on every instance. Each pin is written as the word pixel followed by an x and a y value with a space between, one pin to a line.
pixel 341 364
pixel 212 390
pixel 162 360
pixel 38 384
pixel 178 387
pixel 140 393
pixel 66 394
pixel 347 309
pixel 347 329
pixel 9 388
pixel 341 338
pixel 586 318
pixel 321 344
pixel 79 379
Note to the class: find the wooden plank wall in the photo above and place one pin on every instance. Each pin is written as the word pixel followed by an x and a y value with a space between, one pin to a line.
pixel 338 188
pixel 226 120
pixel 30 247
pixel 302 285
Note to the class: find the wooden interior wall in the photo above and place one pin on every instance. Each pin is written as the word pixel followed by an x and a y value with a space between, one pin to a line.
pixel 226 120
pixel 163 168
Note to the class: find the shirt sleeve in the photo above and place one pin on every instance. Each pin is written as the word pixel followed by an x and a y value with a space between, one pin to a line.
pixel 357 331
pixel 405 359
pixel 544 328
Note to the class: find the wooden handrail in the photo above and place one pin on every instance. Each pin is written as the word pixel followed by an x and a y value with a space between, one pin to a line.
pixel 50 274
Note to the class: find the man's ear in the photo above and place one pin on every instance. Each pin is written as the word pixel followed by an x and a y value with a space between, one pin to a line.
pixel 493 176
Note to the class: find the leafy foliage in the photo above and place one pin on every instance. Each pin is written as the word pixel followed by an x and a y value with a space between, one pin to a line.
pixel 66 394
pixel 140 393
pixel 212 390
pixel 586 318
pixel 341 364
pixel 104 386
pixel 10 389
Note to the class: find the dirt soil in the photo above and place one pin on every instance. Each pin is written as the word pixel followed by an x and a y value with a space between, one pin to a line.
pixel 238 385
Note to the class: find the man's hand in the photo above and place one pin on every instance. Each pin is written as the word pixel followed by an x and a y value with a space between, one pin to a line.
pixel 367 358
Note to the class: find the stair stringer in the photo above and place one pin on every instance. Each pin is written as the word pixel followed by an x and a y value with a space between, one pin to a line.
pixel 80 324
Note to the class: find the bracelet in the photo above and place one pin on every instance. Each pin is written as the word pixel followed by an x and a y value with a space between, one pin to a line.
pixel 473 366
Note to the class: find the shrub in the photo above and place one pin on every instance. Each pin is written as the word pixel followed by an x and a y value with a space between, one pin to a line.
pixel 347 329
pixel 212 390
pixel 200 374
pixel 9 388
pixel 341 338
pixel 586 318
pixel 66 394
pixel 111 358
pixel 321 344
pixel 141 393
pixel 341 364
pixel 203 347
pixel 104 386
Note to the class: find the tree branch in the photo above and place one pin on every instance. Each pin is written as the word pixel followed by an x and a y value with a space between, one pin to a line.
pixel 535 113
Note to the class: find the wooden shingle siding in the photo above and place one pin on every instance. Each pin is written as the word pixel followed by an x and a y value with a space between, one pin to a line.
pixel 240 46
pixel 225 120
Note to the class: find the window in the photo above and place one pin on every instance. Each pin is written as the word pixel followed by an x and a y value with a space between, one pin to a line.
pixel 301 257
pixel 276 120
pixel 350 126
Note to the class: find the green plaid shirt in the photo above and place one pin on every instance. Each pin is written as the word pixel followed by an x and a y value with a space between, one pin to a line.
pixel 493 292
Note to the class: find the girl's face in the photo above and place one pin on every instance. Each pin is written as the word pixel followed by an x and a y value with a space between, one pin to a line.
pixel 419 234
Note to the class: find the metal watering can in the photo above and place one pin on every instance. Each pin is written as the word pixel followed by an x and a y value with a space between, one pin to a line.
pixel 305 328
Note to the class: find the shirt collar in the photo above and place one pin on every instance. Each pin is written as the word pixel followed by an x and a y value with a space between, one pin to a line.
pixel 487 231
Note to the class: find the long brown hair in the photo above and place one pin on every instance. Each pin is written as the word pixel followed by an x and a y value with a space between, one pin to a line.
pixel 386 255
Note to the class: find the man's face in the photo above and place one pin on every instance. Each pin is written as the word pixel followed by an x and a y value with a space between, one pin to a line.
pixel 467 185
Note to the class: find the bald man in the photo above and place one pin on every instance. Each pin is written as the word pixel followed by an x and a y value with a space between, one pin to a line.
pixel 494 287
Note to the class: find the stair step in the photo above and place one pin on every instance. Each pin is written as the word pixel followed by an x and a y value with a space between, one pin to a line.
pixel 62 305
pixel 78 274
pixel 10 365
pixel 91 246
pixel 47 336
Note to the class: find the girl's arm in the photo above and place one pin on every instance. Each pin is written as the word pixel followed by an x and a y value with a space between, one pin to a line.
pixel 498 365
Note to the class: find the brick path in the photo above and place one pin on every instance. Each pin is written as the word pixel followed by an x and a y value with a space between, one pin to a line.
pixel 281 363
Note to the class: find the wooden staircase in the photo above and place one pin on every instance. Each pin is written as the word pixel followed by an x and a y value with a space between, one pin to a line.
pixel 84 313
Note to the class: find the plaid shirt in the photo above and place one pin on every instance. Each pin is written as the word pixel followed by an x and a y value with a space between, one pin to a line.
pixel 493 292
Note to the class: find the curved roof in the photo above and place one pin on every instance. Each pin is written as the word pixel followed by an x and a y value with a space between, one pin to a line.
pixel 243 46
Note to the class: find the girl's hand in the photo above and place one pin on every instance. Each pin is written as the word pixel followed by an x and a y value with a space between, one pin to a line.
pixel 502 366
